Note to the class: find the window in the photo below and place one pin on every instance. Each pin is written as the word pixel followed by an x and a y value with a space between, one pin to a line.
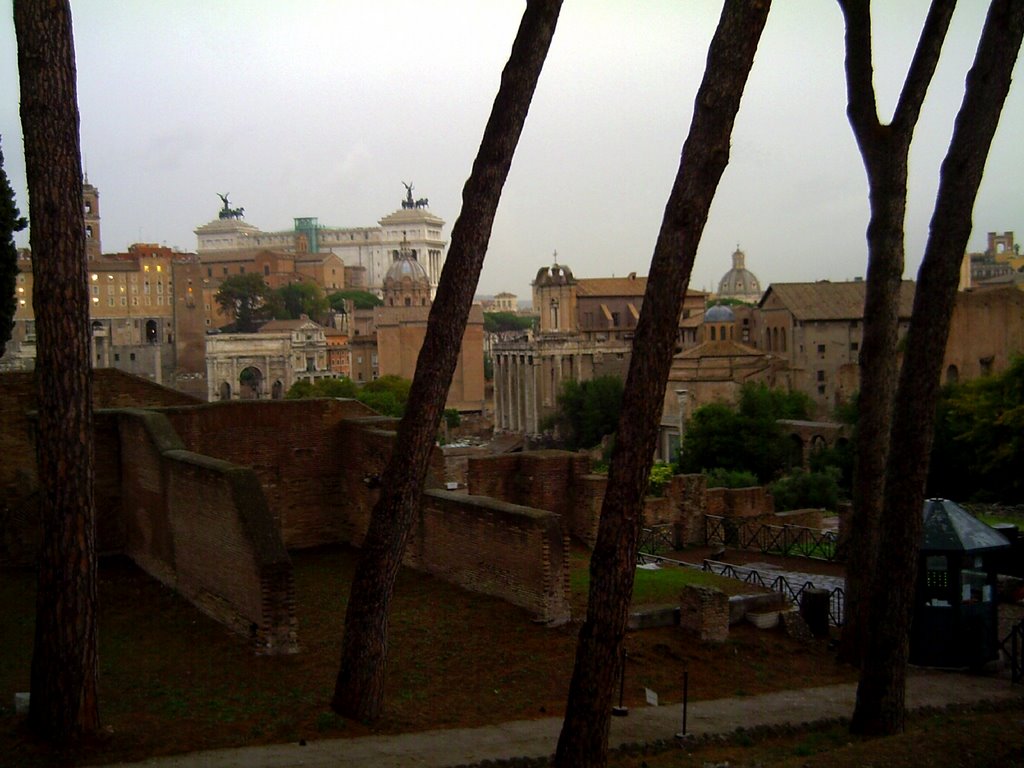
pixel 821 349
pixel 854 346
pixel 117 357
pixel 131 356
pixel 821 375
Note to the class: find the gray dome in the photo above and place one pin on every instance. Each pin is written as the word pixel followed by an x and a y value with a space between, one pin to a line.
pixel 739 282
pixel 407 267
pixel 719 313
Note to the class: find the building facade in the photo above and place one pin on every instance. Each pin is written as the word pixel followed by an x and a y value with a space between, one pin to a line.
pixel 262 365
pixel 585 331
pixel 365 253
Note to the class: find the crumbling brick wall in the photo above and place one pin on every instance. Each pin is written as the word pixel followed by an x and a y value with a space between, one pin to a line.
pixel 509 551
pixel 705 612
pixel 202 526
pixel 20 532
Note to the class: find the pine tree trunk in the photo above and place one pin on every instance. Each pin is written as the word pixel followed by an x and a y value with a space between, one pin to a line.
pixel 359 689
pixel 885 150
pixel 584 738
pixel 880 695
pixel 64 703
pixel 879 368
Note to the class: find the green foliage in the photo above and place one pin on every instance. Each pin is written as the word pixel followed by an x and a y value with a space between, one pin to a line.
pixel 978 450
pixel 496 322
pixel 488 368
pixel 386 395
pixel 727 303
pixel 744 438
pixel 296 299
pixel 11 221
pixel 838 459
pixel 247 298
pixel 589 410
pixel 343 387
pixel 660 477
pixel 359 299
pixel 452 418
pixel 731 478
pixel 806 490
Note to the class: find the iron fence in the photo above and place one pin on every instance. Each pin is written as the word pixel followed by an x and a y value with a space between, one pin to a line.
pixel 656 539
pixel 1013 647
pixel 787 540
pixel 781 584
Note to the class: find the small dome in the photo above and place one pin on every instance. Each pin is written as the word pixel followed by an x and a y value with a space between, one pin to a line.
pixel 407 267
pixel 739 282
pixel 719 313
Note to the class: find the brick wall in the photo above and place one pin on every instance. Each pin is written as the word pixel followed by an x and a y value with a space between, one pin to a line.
pixel 203 526
pixel 689 494
pixel 306 454
pixel 509 551
pixel 705 612
pixel 19 515
pixel 739 502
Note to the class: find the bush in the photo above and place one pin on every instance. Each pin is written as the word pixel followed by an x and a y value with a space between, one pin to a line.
pixel 661 476
pixel 731 478
pixel 807 490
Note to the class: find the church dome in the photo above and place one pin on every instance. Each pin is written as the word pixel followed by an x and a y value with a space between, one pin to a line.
pixel 406 282
pixel 739 282
pixel 719 313
pixel 406 267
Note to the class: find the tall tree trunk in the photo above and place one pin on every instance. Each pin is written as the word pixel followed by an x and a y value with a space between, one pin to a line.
pixel 359 689
pixel 64 663
pixel 885 150
pixel 584 737
pixel 880 694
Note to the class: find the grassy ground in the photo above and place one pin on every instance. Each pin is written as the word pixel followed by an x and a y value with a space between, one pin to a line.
pixel 173 681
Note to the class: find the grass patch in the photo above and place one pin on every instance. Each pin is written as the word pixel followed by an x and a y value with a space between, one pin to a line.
pixel 653 587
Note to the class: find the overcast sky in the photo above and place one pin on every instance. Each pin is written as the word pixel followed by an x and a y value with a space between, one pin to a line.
pixel 324 107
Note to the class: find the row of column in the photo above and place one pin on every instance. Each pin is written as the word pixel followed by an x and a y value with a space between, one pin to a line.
pixel 516 396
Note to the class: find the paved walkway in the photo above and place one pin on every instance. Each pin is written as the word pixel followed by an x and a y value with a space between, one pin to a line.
pixel 537 738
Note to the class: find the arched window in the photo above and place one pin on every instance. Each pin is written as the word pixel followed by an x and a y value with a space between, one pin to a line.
pixel 711 330
pixel 952 375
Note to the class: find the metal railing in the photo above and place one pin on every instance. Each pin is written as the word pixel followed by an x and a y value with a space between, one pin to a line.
pixel 787 540
pixel 1013 647
pixel 837 596
pixel 656 539
pixel 782 585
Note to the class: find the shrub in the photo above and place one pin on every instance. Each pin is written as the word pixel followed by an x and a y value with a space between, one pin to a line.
pixel 807 490
pixel 661 476
pixel 731 478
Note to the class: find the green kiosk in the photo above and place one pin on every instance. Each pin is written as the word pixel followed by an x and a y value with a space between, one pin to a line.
pixel 955 614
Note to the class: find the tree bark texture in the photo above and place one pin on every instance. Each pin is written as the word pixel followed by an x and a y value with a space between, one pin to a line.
pixel 584 737
pixel 359 689
pixel 64 703
pixel 880 695
pixel 885 150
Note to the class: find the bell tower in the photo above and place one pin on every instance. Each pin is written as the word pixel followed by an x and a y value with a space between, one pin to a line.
pixel 91 214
